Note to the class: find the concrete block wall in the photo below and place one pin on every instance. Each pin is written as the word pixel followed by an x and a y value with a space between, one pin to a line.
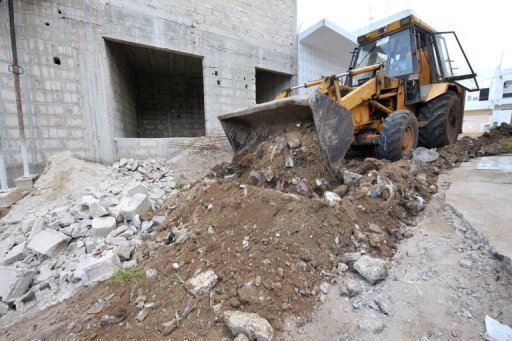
pixel 124 94
pixel 170 106
pixel 71 106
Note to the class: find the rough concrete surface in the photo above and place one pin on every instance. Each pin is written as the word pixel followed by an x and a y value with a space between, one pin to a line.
pixel 443 282
pixel 481 190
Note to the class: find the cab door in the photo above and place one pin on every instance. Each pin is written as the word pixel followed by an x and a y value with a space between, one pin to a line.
pixel 449 62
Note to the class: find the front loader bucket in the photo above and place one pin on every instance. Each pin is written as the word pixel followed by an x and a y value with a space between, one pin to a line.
pixel 247 128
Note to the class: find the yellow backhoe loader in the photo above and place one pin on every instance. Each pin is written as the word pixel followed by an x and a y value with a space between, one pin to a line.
pixel 406 85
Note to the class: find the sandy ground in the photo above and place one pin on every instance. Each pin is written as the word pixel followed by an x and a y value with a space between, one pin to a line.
pixel 444 281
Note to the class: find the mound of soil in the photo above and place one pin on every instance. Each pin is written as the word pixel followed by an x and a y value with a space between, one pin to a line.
pixel 271 249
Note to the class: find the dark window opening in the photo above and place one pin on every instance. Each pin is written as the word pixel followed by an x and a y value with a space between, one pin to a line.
pixel 269 84
pixel 156 93
pixel 484 94
pixel 56 60
pixel 507 89
pixel 47 23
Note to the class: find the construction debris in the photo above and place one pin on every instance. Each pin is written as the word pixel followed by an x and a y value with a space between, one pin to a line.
pixel 256 242
pixel 252 325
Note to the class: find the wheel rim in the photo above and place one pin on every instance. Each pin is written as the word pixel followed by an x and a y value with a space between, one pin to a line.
pixel 408 138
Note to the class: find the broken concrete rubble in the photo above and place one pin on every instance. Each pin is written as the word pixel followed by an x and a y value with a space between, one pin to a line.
pixel 425 155
pixel 134 205
pixel 102 226
pixel 98 269
pixel 14 282
pixel 250 324
pixel 372 269
pixel 201 283
pixel 10 197
pixel 17 253
pixel 332 198
pixel 49 242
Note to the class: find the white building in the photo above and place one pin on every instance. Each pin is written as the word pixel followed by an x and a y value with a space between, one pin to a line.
pixel 324 49
pixel 490 106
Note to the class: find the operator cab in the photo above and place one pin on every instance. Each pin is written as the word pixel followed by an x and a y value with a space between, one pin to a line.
pixel 412 51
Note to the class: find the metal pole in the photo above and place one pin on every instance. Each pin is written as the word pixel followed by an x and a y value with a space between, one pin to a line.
pixel 16 70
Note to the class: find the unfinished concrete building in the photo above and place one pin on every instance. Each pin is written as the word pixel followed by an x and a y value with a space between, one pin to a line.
pixel 124 78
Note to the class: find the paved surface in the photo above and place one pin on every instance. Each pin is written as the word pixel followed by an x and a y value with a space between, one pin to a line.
pixel 482 191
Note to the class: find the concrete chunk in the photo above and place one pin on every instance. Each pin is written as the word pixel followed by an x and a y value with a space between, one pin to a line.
pixel 17 253
pixel 252 325
pixel 14 282
pixel 10 197
pixel 137 189
pixel 102 226
pixel 124 250
pixel 332 198
pixel 25 183
pixel 201 283
pixel 49 242
pixel 372 269
pixel 98 269
pixel 135 205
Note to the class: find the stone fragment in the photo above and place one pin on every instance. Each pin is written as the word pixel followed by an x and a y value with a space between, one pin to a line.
pixel 250 324
pixel 497 331
pixel 110 319
pixel 141 316
pixel 425 155
pixel 25 183
pixel 124 251
pixel 151 274
pixel 17 253
pixel 332 198
pixel 371 324
pixel 45 273
pixel 98 269
pixel 241 337
pixel 350 287
pixel 102 226
pixel 14 282
pixel 374 228
pixel 135 205
pixel 350 257
pixel 324 288
pixel 293 140
pixel 97 210
pixel 288 160
pixel 372 269
pixel 10 197
pixel 351 178
pixel 49 242
pixel 201 283
pixel 136 189
pixel 66 219
pixel 116 232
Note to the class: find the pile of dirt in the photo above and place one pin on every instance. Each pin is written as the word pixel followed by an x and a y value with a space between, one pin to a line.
pixel 495 142
pixel 270 249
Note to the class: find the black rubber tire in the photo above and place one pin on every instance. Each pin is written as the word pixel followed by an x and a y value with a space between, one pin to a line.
pixel 444 116
pixel 393 132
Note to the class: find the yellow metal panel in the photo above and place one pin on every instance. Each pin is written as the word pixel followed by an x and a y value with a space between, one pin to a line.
pixel 360 94
pixel 425 71
pixel 436 90
pixel 360 116
pixel 393 27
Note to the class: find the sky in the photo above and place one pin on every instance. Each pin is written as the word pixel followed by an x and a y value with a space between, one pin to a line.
pixel 482 26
